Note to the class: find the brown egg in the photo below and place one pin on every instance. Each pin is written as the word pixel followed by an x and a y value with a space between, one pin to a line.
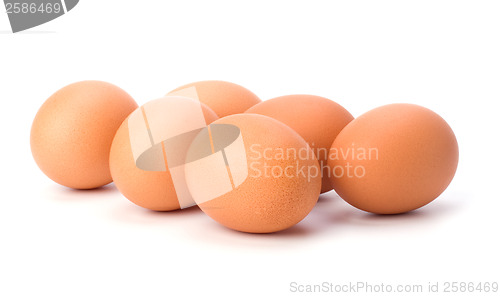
pixel 149 189
pixel 73 130
pixel 275 187
pixel 224 98
pixel 318 120
pixel 393 159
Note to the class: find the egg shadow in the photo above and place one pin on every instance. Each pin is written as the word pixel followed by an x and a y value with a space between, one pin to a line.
pixel 193 210
pixel 328 214
pixel 325 216
pixel 331 213
pixel 129 212
pixel 62 193
pixel 424 216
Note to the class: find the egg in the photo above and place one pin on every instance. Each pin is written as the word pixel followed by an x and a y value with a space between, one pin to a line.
pixel 72 132
pixel 318 120
pixel 282 184
pixel 224 98
pixel 393 159
pixel 147 187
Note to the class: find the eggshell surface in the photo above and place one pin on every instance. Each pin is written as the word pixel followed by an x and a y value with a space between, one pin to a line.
pixel 393 159
pixel 72 132
pixel 318 120
pixel 224 98
pixel 279 191
pixel 152 190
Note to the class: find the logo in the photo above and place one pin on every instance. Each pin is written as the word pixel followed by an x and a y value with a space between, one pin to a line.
pixel 171 134
pixel 26 14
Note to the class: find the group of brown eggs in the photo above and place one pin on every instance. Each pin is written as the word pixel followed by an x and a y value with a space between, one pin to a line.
pixel 390 160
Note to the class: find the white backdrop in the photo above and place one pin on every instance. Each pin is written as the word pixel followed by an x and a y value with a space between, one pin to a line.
pixel 443 55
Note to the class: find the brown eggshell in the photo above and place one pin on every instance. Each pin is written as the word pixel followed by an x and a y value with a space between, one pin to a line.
pixel 73 130
pixel 266 201
pixel 318 120
pixel 410 157
pixel 152 190
pixel 224 98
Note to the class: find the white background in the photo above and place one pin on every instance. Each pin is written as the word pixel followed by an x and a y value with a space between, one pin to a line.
pixel 444 55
